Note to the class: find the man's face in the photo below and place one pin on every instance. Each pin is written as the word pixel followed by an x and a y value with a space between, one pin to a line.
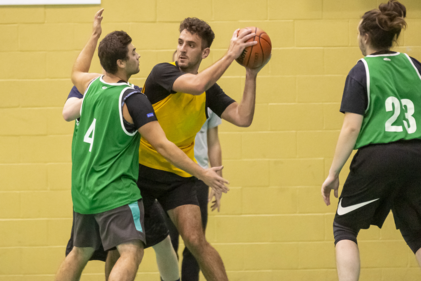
pixel 132 60
pixel 189 50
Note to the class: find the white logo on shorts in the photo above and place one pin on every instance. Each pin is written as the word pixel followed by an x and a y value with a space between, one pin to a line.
pixel 346 210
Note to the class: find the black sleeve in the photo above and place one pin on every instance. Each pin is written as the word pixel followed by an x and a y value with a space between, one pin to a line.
pixel 74 93
pixel 355 98
pixel 417 65
pixel 217 100
pixel 160 81
pixel 140 109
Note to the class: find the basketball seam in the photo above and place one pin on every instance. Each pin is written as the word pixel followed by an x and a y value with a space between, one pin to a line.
pixel 251 50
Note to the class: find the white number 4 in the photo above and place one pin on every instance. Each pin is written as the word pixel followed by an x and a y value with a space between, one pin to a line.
pixel 393 103
pixel 88 137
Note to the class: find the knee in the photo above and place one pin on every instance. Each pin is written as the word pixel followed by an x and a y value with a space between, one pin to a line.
pixel 341 232
pixel 195 242
pixel 81 253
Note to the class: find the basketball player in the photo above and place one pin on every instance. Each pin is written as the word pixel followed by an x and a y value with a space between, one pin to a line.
pixel 382 106
pixel 180 96
pixel 206 149
pixel 107 203
pixel 156 231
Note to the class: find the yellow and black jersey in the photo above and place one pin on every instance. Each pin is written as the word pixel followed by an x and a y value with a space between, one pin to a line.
pixel 180 115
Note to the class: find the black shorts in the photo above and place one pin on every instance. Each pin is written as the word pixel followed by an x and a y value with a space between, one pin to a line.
pixel 383 177
pixel 155 229
pixel 169 189
pixel 110 228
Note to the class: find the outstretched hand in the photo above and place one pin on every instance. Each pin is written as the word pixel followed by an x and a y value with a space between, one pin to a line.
pixel 213 180
pixel 96 28
pixel 216 203
pixel 330 183
pixel 239 42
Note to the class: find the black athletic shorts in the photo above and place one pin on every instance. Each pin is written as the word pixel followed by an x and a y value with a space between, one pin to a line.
pixel 110 228
pixel 155 229
pixel 169 189
pixel 383 177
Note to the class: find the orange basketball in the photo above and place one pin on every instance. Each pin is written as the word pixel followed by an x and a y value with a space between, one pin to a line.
pixel 255 56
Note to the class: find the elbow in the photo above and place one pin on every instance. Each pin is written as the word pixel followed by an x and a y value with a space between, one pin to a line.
pixel 66 116
pixel 198 87
pixel 245 123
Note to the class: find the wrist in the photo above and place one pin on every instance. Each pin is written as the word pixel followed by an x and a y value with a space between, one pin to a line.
pixel 334 173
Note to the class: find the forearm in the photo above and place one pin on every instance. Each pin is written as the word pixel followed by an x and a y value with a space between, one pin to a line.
pixel 71 109
pixel 199 83
pixel 211 75
pixel 83 61
pixel 215 156
pixel 179 159
pixel 344 147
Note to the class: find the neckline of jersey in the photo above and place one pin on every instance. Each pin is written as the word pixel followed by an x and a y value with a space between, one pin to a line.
pixel 383 55
pixel 119 83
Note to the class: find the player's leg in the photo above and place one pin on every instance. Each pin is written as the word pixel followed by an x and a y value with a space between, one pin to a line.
pixel 111 260
pixel 86 239
pixel 347 260
pixel 167 260
pixel 412 238
pixel 347 254
pixel 123 228
pixel 418 256
pixel 190 268
pixel 131 254
pixel 74 263
pixel 188 221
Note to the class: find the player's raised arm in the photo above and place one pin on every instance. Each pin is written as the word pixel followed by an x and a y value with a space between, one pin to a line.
pixel 197 84
pixel 241 114
pixel 80 76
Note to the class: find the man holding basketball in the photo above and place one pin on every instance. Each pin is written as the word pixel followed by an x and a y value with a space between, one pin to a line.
pixel 107 203
pixel 180 97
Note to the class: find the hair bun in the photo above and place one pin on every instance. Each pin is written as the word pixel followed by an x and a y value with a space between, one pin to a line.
pixel 393 6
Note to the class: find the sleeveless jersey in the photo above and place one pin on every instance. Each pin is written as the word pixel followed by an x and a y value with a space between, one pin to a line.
pixel 394 100
pixel 105 156
pixel 181 116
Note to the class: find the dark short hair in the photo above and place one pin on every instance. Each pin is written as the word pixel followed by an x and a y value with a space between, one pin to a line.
pixel 384 25
pixel 112 48
pixel 199 27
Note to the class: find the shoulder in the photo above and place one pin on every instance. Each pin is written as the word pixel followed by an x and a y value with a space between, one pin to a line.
pixel 358 72
pixel 164 67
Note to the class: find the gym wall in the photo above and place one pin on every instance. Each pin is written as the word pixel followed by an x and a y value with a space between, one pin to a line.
pixel 273 224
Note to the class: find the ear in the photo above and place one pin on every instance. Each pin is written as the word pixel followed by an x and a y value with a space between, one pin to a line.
pixel 366 38
pixel 121 63
pixel 205 53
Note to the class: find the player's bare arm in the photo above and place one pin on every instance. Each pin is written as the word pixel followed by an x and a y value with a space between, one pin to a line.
pixel 346 142
pixel 215 160
pixel 71 109
pixel 80 73
pixel 154 134
pixel 197 84
pixel 241 114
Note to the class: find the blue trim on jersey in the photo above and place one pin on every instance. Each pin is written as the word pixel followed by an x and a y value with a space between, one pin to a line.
pixel 134 207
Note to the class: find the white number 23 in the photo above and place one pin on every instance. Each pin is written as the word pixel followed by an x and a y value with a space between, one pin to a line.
pixel 393 104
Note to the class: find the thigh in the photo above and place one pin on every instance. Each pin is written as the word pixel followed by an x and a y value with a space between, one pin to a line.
pixel 99 254
pixel 188 221
pixel 121 225
pixel 86 232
